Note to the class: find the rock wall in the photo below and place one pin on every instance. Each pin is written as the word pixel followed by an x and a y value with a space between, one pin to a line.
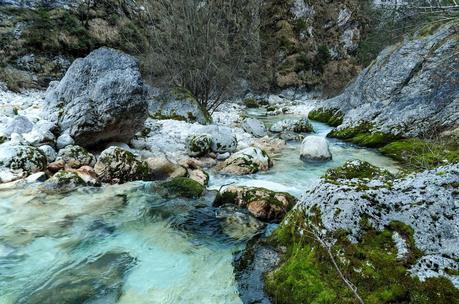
pixel 410 90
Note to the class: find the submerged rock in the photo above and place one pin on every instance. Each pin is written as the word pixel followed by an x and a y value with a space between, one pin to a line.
pixel 94 280
pixel 315 148
pixel 116 165
pixel 247 161
pixel 100 99
pixel 264 204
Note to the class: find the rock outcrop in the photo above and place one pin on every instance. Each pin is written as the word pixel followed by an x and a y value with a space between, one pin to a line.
pixel 410 90
pixel 428 202
pixel 101 98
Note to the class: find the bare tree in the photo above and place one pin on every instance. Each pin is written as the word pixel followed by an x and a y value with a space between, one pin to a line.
pixel 204 46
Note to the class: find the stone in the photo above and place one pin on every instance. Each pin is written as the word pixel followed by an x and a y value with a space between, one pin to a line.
pixel 116 165
pixel 49 152
pixel 223 139
pixel 263 204
pixel 56 166
pixel 199 176
pixel 19 124
pixel 87 174
pixel 199 145
pixel 76 157
pixel 177 104
pixel 161 168
pixel 223 156
pixel 62 182
pixel 64 140
pixel 26 158
pixel 315 148
pixel 254 127
pixel 292 125
pixel 100 99
pixel 247 161
pixel 181 187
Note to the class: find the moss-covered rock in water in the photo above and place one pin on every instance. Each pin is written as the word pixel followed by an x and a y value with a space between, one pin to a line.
pixel 26 158
pixel 356 169
pixel 363 135
pixel 419 154
pixel 302 125
pixel 116 165
pixel 61 182
pixel 182 187
pixel 199 145
pixel 308 275
pixel 264 204
pixel 330 116
pixel 247 161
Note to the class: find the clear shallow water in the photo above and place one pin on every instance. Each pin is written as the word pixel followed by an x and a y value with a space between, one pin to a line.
pixel 124 244
pixel 41 238
pixel 292 175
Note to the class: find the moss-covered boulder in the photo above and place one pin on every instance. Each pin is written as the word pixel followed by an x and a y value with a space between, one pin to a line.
pixel 363 134
pixel 76 157
pixel 116 165
pixel 62 182
pixel 330 116
pixel 356 169
pixel 247 161
pixel 264 204
pixel 26 158
pixel 181 187
pixel 199 175
pixel 199 145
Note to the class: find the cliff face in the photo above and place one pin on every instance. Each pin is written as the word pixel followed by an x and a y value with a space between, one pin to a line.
pixel 410 90
pixel 303 43
pixel 40 39
pixel 312 43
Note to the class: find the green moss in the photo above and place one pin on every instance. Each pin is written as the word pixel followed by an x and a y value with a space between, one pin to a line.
pixel 356 169
pixel 419 154
pixel 251 103
pixel 362 135
pixel 225 197
pixel 2 139
pixel 332 117
pixel 307 275
pixel 183 187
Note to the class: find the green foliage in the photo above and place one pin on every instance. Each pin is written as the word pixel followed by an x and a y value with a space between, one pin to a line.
pixel 420 154
pixel 307 274
pixel 183 187
pixel 330 116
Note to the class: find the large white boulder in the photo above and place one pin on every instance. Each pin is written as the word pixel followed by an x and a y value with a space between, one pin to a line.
pixel 315 148
pixel 254 127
